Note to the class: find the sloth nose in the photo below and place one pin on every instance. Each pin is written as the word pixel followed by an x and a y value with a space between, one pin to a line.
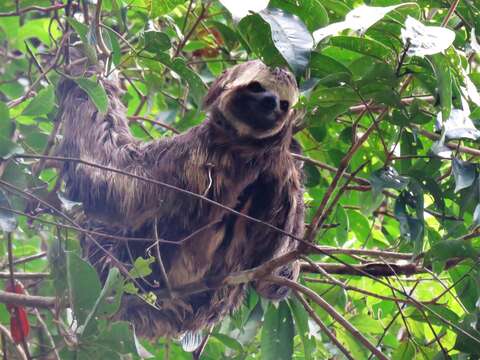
pixel 268 102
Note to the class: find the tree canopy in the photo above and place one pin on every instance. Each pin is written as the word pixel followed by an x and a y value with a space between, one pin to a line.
pixel 390 138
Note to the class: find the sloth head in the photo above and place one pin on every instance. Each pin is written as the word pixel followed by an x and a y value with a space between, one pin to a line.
pixel 254 99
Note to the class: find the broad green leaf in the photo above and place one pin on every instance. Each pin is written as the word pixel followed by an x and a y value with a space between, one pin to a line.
pixel 83 285
pixel 363 46
pixel 430 316
pixel 444 83
pixel 301 317
pixel 120 337
pixel 156 41
pixel 405 351
pixel 229 342
pixel 96 92
pixel 277 333
pixel 447 249
pixel 41 104
pixel 162 7
pixel 107 303
pixel 257 35
pixel 321 66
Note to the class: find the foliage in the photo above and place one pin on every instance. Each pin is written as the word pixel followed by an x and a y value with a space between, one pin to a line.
pixel 390 138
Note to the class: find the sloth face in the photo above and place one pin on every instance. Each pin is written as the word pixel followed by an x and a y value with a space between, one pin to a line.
pixel 256 100
pixel 259 108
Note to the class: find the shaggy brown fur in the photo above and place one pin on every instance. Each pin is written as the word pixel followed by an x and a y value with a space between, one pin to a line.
pixel 239 157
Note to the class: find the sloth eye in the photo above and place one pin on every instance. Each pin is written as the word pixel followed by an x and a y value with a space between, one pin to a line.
pixel 255 87
pixel 284 105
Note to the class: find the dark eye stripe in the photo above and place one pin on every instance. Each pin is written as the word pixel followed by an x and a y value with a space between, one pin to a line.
pixel 284 105
pixel 255 87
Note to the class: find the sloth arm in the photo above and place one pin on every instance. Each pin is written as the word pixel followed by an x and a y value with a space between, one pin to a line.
pixel 105 139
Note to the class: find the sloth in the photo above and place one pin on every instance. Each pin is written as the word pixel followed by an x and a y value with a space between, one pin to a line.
pixel 239 157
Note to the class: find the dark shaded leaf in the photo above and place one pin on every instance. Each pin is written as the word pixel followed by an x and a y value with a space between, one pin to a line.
pixel 388 178
pixel 291 38
pixel 465 343
pixel 464 173
pixel 156 41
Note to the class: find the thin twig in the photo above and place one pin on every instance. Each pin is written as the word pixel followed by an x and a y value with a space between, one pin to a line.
pixel 323 327
pixel 32 8
pixel 330 310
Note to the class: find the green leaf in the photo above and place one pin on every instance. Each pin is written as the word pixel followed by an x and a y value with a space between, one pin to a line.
pixel 6 124
pixel 8 220
pixel 107 303
pixel 313 176
pixel 277 333
pixel 229 342
pixel 363 46
pixel 469 344
pixel 83 284
pixel 322 65
pixel 57 260
pixel 178 65
pixel 448 249
pixel 291 37
pixel 41 104
pixel 431 318
pixel 161 7
pixel 141 267
pixel 464 174
pixel 301 316
pixel 442 72
pixel 83 32
pixel 257 34
pixel 120 337
pixel 312 12
pixel 405 351
pixel 156 41
pixel 96 92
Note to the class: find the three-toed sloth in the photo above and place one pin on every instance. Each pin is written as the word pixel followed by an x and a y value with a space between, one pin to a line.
pixel 240 157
